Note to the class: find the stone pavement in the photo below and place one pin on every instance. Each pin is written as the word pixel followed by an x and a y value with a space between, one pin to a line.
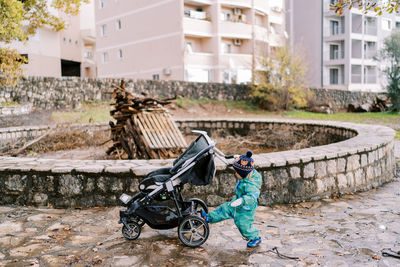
pixel 349 231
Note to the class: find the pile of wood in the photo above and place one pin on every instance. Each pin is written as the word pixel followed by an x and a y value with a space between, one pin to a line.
pixel 143 129
pixel 380 104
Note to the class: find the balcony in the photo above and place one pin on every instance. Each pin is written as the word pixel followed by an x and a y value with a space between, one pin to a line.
pixel 235 30
pixel 193 14
pixel 199 59
pixel 236 3
pixel 198 2
pixel 369 54
pixel 369 78
pixel 276 39
pixel 236 60
pixel 261 33
pixel 355 78
pixel 370 30
pixel 197 28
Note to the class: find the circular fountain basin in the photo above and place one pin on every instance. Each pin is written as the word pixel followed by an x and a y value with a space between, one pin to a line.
pixel 363 160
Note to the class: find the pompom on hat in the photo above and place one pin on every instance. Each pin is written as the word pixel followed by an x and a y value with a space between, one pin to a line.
pixel 244 164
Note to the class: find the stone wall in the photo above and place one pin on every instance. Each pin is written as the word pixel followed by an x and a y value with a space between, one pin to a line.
pixel 69 92
pixel 364 161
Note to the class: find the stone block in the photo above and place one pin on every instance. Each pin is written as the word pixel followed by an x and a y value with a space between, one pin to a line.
pixel 359 177
pixel 295 172
pixel 302 189
pixel 371 157
pixel 353 162
pixel 16 182
pixel 227 184
pixel 69 185
pixel 320 169
pixel 341 164
pixel 268 180
pixel 342 181
pixel 40 199
pixel 364 160
pixel 370 174
pixel 350 179
pixel 331 167
pixel 309 170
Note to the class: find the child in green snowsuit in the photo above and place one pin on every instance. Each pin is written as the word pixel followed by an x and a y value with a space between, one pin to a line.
pixel 243 206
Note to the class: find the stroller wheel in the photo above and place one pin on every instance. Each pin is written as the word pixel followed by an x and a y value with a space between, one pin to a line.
pixel 133 233
pixel 193 231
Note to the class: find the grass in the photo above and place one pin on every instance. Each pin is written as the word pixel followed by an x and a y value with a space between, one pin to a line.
pixel 9 104
pixel 88 113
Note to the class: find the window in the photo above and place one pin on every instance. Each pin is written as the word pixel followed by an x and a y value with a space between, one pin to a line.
pixel 65 40
pixel 103 30
pixel 105 57
pixel 156 77
pixel 76 42
pixel 334 27
pixel 334 51
pixel 386 24
pixel 334 76
pixel 102 4
pixel 120 53
pixel 119 25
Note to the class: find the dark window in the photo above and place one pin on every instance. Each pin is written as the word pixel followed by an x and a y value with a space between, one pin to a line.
pixel 156 76
pixel 334 76
pixel 70 68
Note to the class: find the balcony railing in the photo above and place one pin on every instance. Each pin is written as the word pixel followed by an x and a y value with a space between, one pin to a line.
pixel 333 55
pixel 201 15
pixel 369 54
pixel 370 30
pixel 332 31
pixel 355 78
pixel 369 78
pixel 88 54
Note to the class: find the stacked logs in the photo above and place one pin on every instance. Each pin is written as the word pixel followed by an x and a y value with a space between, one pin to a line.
pixel 143 128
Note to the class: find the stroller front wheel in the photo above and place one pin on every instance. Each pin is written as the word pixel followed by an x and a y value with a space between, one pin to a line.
pixel 133 233
pixel 193 231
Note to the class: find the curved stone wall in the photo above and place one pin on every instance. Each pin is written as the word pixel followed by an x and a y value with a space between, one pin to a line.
pixel 361 162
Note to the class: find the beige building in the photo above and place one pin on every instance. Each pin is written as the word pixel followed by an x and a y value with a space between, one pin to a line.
pixel 340 51
pixel 191 40
pixel 65 53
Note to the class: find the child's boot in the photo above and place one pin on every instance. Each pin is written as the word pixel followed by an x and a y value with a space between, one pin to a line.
pixel 254 242
pixel 204 215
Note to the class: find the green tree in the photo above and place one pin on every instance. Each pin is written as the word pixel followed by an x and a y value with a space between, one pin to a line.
pixel 21 18
pixel 282 84
pixel 389 56
pixel 379 7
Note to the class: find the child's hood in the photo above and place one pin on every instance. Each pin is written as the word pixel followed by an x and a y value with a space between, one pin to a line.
pixel 254 179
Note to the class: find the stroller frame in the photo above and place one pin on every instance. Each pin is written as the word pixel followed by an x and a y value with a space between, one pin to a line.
pixel 193 231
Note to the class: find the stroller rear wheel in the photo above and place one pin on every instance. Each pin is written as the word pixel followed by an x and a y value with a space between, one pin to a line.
pixel 193 231
pixel 133 233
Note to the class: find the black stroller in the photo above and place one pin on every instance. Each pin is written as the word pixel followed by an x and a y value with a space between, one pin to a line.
pixel 196 166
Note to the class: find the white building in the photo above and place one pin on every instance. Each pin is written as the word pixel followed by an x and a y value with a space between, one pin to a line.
pixel 191 40
pixel 340 51
pixel 56 54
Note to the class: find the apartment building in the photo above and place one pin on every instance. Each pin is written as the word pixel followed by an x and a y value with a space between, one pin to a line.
pixel 339 50
pixel 57 54
pixel 191 40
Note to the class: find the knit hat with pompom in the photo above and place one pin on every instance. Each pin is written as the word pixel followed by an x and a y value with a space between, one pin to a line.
pixel 244 164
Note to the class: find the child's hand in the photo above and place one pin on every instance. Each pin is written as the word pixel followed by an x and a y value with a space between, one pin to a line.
pixel 237 202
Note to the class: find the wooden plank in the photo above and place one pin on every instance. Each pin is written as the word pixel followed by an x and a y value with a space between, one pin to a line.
pixel 176 131
pixel 152 142
pixel 163 120
pixel 163 134
pixel 154 131
pixel 158 119
pixel 150 131
pixel 142 131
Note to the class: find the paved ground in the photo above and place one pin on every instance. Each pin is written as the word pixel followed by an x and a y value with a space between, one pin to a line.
pixel 349 231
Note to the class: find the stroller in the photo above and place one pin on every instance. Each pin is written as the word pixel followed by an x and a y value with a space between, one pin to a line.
pixel 196 166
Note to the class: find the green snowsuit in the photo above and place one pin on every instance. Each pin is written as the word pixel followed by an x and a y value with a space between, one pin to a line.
pixel 249 190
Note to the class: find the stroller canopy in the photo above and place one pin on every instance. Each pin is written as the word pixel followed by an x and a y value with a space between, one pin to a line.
pixel 204 169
